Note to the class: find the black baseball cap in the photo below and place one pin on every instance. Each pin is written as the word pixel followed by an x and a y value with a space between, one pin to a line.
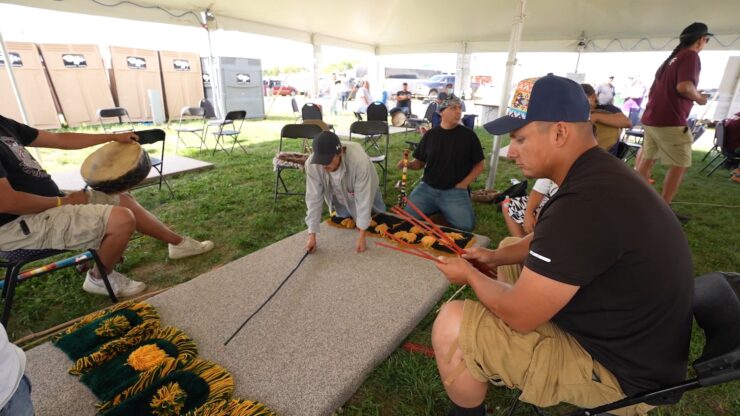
pixel 695 31
pixel 325 146
pixel 550 98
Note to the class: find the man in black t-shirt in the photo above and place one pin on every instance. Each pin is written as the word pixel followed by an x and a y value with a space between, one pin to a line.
pixel 452 157
pixel 607 276
pixel 35 214
pixel 403 99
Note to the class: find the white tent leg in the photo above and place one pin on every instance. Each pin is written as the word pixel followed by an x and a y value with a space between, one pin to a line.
pixel 16 91
pixel 315 68
pixel 516 34
pixel 13 83
pixel 462 72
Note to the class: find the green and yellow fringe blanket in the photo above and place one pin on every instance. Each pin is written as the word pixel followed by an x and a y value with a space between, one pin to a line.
pixel 134 366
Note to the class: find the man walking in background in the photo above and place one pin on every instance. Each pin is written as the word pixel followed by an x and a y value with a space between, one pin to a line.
pixel 671 97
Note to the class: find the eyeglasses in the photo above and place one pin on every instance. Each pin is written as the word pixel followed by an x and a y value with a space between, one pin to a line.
pixel 707 39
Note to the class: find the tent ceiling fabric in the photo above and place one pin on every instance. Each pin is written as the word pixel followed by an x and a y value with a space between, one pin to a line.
pixel 402 26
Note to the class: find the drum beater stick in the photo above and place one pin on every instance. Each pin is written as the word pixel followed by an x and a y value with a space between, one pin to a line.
pixel 268 299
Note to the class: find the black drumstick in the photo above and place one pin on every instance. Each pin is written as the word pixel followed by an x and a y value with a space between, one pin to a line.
pixel 268 299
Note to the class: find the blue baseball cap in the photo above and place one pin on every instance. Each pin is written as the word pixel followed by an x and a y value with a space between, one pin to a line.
pixel 550 98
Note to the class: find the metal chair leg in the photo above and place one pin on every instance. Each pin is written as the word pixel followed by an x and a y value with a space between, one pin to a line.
pixel 104 275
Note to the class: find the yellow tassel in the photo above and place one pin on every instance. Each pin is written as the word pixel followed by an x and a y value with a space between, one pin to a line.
pixel 348 223
pixel 427 241
pixel 115 326
pixel 112 348
pixel 168 400
pixel 146 357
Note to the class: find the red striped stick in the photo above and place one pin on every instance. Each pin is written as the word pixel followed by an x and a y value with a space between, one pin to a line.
pixel 482 267
pixel 413 253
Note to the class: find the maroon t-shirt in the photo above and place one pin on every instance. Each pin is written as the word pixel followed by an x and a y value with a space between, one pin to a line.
pixel 666 106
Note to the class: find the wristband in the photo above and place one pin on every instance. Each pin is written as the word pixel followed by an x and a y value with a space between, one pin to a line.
pixel 59 202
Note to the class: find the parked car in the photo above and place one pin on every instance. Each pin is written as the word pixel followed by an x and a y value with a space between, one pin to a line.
pixel 430 88
pixel 281 88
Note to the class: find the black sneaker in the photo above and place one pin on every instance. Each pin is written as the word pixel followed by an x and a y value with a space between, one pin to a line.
pixel 683 219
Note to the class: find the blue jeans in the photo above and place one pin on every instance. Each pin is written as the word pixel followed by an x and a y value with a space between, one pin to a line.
pixel 20 404
pixel 454 204
pixel 343 212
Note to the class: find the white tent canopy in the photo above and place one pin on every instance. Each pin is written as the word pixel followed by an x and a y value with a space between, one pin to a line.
pixel 401 26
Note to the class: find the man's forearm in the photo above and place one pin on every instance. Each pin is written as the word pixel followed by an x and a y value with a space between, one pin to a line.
pixel 467 180
pixel 22 203
pixel 514 253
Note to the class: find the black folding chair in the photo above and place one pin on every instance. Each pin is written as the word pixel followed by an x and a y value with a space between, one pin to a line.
pixel 414 123
pixel 719 130
pixel 377 111
pixel 311 111
pixel 376 129
pixel 192 122
pixel 14 261
pixel 230 126
pixel 637 133
pixel 115 120
pixel 151 137
pixel 292 160
pixel 725 154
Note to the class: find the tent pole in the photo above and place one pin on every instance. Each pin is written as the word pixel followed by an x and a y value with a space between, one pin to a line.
pixel 13 83
pixel 516 35
pixel 211 64
pixel 16 91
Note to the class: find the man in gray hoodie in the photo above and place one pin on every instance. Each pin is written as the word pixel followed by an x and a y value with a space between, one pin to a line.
pixel 342 175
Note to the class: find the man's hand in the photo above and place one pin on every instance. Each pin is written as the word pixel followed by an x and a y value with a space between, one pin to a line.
pixel 455 269
pixel 483 255
pixel 311 243
pixel 360 243
pixel 75 198
pixel 702 99
pixel 399 165
pixel 461 185
pixel 125 137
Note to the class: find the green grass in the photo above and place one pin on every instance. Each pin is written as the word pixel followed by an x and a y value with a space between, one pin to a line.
pixel 233 206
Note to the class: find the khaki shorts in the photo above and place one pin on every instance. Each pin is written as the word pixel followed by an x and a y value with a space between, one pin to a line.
pixel 69 227
pixel 548 365
pixel 672 144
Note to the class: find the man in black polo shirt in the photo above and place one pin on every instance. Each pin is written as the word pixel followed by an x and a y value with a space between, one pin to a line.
pixel 452 157
pixel 602 306
pixel 403 99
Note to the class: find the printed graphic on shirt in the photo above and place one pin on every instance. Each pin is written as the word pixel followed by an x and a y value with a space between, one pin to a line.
pixel 27 163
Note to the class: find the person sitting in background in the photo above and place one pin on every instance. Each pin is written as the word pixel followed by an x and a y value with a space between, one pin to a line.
pixel 403 99
pixel 605 115
pixel 520 213
pixel 35 214
pixel 452 157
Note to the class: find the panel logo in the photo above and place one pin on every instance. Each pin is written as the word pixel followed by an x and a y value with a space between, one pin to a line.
pixel 135 62
pixel 181 65
pixel 243 78
pixel 15 59
pixel 74 60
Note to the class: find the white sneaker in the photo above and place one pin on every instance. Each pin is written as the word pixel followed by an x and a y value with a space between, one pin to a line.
pixel 189 247
pixel 122 286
